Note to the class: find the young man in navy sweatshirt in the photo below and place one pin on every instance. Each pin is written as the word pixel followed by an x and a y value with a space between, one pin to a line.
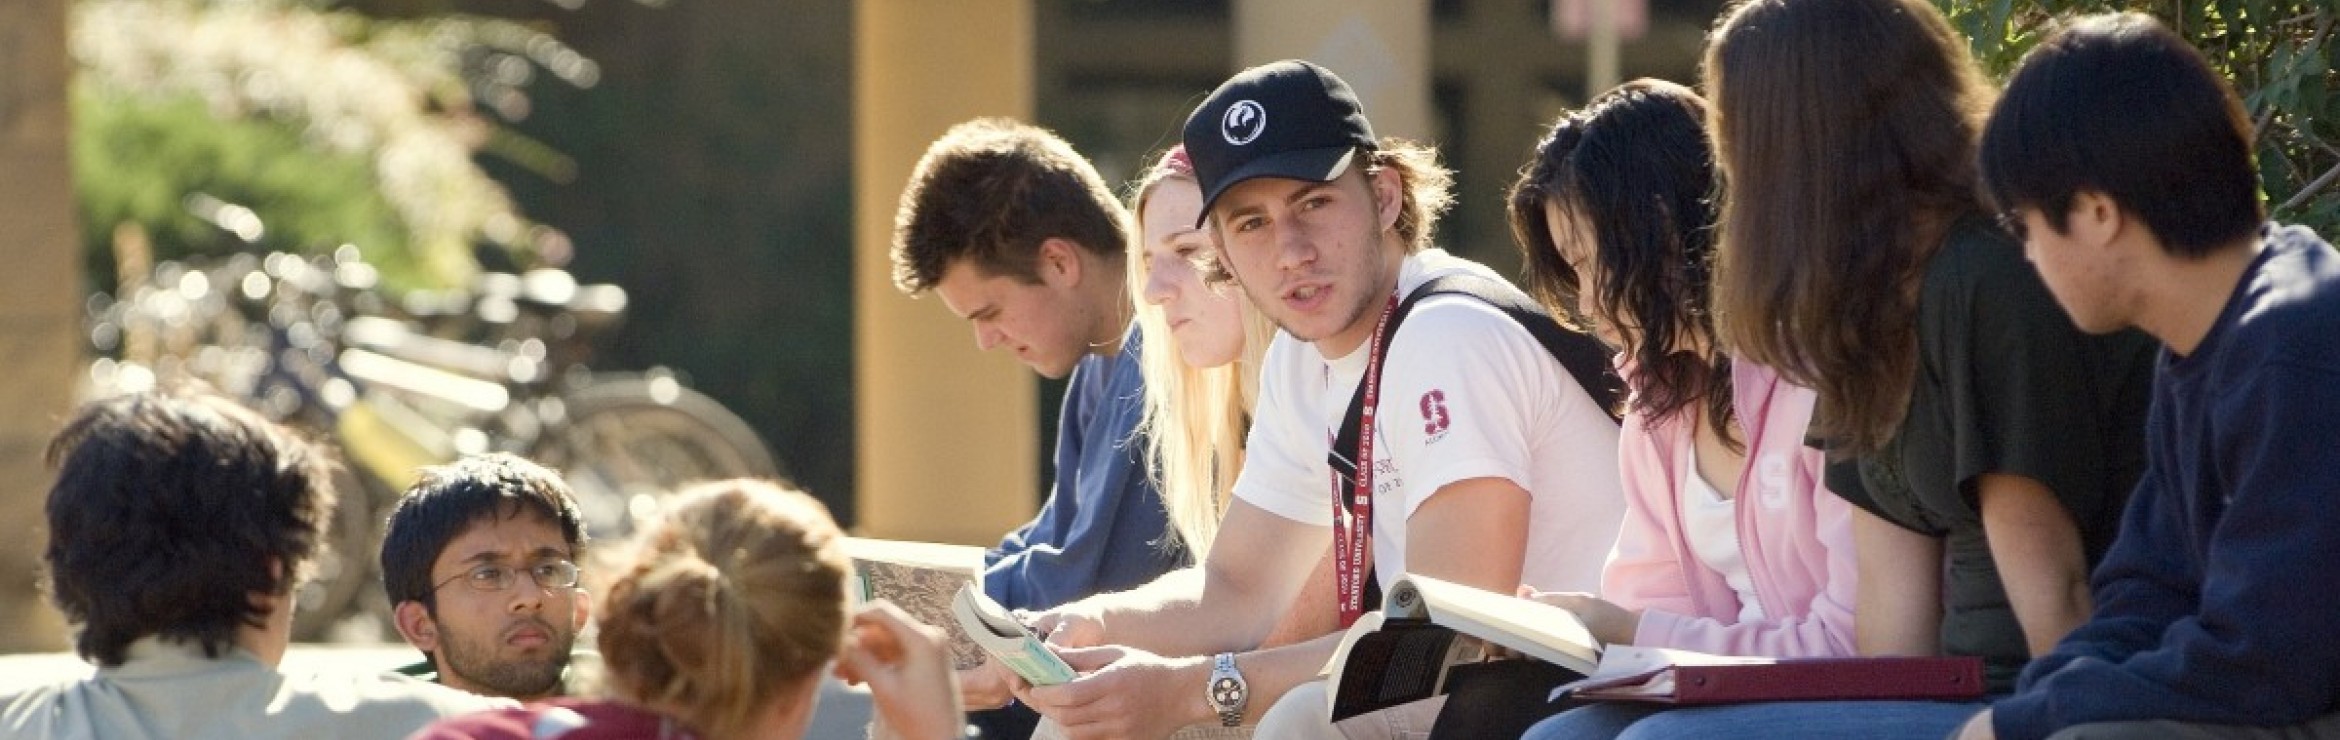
pixel 2124 163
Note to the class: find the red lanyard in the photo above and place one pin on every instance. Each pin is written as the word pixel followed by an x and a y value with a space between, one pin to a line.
pixel 1353 515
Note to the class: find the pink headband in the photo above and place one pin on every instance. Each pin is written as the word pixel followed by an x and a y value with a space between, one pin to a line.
pixel 1175 162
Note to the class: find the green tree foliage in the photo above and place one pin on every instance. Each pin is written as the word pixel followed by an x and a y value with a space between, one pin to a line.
pixel 152 161
pixel 2279 53
pixel 331 127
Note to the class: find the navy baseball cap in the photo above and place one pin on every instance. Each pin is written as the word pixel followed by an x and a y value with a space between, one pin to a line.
pixel 1289 119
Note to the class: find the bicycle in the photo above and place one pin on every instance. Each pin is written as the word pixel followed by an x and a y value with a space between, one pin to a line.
pixel 309 341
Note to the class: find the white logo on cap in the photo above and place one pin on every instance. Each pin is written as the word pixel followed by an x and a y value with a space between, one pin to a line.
pixel 1244 121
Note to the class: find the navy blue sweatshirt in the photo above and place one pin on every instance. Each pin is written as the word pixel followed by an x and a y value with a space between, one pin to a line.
pixel 2215 603
pixel 1102 528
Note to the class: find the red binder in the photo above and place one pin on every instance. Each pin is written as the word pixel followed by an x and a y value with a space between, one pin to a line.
pixel 1686 678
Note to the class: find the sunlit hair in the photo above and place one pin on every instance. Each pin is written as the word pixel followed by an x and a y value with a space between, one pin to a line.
pixel 171 510
pixel 736 595
pixel 1634 168
pixel 1195 419
pixel 1845 131
pixel 2122 106
pixel 1425 192
pixel 989 192
pixel 1428 188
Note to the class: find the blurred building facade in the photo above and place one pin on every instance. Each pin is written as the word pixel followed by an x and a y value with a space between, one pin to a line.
pixel 40 303
pixel 731 179
pixel 717 180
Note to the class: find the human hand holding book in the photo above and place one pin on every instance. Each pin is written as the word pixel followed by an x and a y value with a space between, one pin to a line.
pixel 1405 652
pixel 1609 623
pixel 1014 646
pixel 921 578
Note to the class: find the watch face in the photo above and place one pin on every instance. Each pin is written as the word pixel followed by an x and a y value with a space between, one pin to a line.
pixel 1226 691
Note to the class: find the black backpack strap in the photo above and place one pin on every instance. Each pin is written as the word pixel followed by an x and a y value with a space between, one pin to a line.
pixel 1585 358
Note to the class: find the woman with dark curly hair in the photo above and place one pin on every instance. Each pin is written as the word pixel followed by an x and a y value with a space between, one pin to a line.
pixel 1986 443
pixel 1730 545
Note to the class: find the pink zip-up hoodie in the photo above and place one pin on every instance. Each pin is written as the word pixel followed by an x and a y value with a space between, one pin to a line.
pixel 1796 536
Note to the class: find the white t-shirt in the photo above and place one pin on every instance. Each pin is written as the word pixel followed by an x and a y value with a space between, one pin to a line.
pixel 1711 524
pixel 1465 393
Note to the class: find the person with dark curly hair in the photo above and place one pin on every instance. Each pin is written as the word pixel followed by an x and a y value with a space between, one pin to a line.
pixel 1731 544
pixel 180 526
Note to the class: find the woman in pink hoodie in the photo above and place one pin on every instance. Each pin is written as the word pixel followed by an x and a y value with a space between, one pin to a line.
pixel 1730 545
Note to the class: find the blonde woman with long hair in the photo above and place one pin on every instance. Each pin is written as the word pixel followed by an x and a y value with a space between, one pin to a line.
pixel 1199 397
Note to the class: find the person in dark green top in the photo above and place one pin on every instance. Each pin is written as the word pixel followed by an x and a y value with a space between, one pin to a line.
pixel 1986 443
pixel 2006 388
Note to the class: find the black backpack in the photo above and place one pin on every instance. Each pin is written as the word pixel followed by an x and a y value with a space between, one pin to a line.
pixel 1585 358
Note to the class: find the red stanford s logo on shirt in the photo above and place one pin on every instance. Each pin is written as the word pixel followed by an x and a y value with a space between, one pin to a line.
pixel 1434 418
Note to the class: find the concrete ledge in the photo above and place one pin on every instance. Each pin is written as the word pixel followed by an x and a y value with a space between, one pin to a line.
pixel 844 711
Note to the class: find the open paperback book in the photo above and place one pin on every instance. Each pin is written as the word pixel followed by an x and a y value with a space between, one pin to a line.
pixel 921 578
pixel 1404 652
pixel 1682 677
pixel 1007 640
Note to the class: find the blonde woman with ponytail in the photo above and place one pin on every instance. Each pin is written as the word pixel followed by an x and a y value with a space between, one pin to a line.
pixel 732 609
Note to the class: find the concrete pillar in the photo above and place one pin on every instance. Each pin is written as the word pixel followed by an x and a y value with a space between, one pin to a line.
pixel 40 297
pixel 1380 47
pixel 947 436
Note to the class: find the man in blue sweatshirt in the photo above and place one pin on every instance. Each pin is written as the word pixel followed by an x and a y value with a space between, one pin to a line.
pixel 1019 236
pixel 2124 163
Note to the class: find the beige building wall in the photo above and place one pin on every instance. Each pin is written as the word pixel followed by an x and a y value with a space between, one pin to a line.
pixel 1380 47
pixel 948 436
pixel 40 285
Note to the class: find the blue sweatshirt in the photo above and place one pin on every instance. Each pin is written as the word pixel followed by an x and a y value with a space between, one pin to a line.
pixel 1102 528
pixel 2214 604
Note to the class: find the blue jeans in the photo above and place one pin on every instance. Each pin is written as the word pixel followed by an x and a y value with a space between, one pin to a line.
pixel 1851 720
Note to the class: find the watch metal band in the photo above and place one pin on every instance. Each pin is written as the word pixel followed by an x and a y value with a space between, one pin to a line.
pixel 1228 692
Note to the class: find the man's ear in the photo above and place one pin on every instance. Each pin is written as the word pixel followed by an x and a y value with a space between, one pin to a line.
pixel 416 625
pixel 2095 219
pixel 584 600
pixel 1388 194
pixel 1058 262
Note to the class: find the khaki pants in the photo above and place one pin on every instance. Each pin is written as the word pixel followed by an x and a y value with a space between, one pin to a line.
pixel 1050 730
pixel 1300 715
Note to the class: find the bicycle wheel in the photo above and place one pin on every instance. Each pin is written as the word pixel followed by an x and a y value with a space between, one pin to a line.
pixel 624 445
pixel 344 570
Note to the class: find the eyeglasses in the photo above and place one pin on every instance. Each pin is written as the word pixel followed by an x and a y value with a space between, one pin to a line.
pixel 2011 220
pixel 492 577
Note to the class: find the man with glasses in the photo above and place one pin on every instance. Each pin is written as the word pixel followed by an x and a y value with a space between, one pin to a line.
pixel 480 563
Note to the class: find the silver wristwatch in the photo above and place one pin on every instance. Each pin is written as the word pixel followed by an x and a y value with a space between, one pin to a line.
pixel 1227 692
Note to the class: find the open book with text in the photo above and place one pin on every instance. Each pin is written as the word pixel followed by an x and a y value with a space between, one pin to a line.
pixel 922 578
pixel 1007 640
pixel 1426 626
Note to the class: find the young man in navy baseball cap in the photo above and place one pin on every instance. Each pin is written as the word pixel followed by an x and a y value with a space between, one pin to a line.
pixel 1480 446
